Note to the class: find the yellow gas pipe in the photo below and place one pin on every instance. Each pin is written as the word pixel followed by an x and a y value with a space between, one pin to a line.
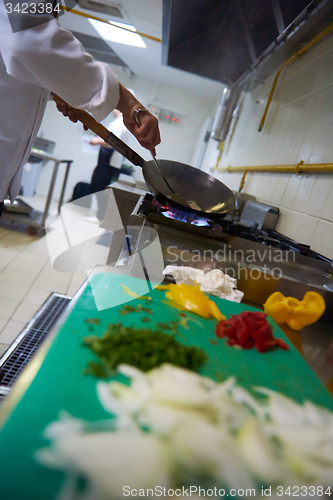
pixel 298 169
pixel 242 182
pixel 89 16
pixel 221 146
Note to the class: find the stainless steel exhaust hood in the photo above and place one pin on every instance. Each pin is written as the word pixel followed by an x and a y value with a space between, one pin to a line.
pixel 239 42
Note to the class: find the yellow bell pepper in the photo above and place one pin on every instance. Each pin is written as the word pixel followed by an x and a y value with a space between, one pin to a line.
pixel 296 313
pixel 135 295
pixel 191 298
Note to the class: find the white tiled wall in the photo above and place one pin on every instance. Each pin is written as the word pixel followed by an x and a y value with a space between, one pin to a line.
pixel 299 126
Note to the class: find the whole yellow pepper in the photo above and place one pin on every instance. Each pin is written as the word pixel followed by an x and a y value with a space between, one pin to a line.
pixel 192 299
pixel 295 313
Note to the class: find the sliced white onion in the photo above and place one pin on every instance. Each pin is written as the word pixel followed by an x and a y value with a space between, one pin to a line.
pixel 197 427
pixel 113 460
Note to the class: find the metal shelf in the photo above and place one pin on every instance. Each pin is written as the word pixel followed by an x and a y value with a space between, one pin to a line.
pixel 36 219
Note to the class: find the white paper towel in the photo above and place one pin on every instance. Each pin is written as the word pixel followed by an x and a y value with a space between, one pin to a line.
pixel 214 282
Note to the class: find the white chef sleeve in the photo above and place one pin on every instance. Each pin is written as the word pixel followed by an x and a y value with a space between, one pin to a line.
pixel 50 57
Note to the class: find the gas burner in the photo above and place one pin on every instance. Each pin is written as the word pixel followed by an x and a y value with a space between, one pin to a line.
pixel 216 226
pixel 183 215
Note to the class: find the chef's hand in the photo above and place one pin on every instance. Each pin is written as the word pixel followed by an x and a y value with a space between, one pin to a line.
pixel 67 110
pixel 147 133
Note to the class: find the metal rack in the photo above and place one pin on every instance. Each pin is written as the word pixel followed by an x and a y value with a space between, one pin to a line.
pixel 35 219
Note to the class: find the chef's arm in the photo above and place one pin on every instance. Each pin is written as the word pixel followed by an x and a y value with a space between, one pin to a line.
pixel 146 132
pixel 50 57
pixel 97 141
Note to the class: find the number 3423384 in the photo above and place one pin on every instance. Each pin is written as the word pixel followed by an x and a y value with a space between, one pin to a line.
pixel 32 8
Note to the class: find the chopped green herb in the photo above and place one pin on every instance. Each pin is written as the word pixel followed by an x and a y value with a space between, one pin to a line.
pixel 126 309
pixel 97 369
pixel 172 326
pixel 147 310
pixel 143 348
pixel 145 319
pixel 212 342
pixel 93 321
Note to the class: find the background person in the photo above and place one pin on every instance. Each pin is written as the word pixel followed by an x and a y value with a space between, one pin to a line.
pixel 109 160
pixel 108 167
pixel 109 163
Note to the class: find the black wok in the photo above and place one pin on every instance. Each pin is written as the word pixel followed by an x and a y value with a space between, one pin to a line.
pixel 203 192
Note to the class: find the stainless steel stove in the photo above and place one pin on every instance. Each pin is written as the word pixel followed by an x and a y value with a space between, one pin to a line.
pixel 262 259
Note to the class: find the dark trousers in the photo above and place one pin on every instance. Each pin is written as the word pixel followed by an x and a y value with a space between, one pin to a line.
pixel 103 173
pixel 102 177
pixel 1 207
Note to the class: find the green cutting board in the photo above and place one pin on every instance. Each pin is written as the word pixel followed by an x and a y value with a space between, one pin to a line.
pixel 60 384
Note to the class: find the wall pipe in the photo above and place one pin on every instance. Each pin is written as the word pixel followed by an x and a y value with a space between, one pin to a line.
pixel 291 59
pixel 242 182
pixel 221 146
pixel 89 16
pixel 300 168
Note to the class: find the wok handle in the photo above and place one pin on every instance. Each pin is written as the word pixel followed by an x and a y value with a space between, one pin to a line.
pixel 107 136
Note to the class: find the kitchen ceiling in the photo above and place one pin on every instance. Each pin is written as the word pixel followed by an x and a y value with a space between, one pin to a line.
pixel 146 16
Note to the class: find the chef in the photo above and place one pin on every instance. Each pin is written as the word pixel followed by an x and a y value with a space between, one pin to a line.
pixel 38 57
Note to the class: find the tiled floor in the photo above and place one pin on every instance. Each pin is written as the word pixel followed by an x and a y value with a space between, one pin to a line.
pixel 27 277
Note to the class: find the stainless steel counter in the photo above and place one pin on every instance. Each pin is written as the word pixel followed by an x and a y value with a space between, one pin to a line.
pixel 317 347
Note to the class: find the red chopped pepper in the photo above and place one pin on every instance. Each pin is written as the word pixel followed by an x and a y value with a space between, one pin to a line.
pixel 249 329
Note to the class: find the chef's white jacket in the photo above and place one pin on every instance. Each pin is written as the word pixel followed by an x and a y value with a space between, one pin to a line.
pixel 33 63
